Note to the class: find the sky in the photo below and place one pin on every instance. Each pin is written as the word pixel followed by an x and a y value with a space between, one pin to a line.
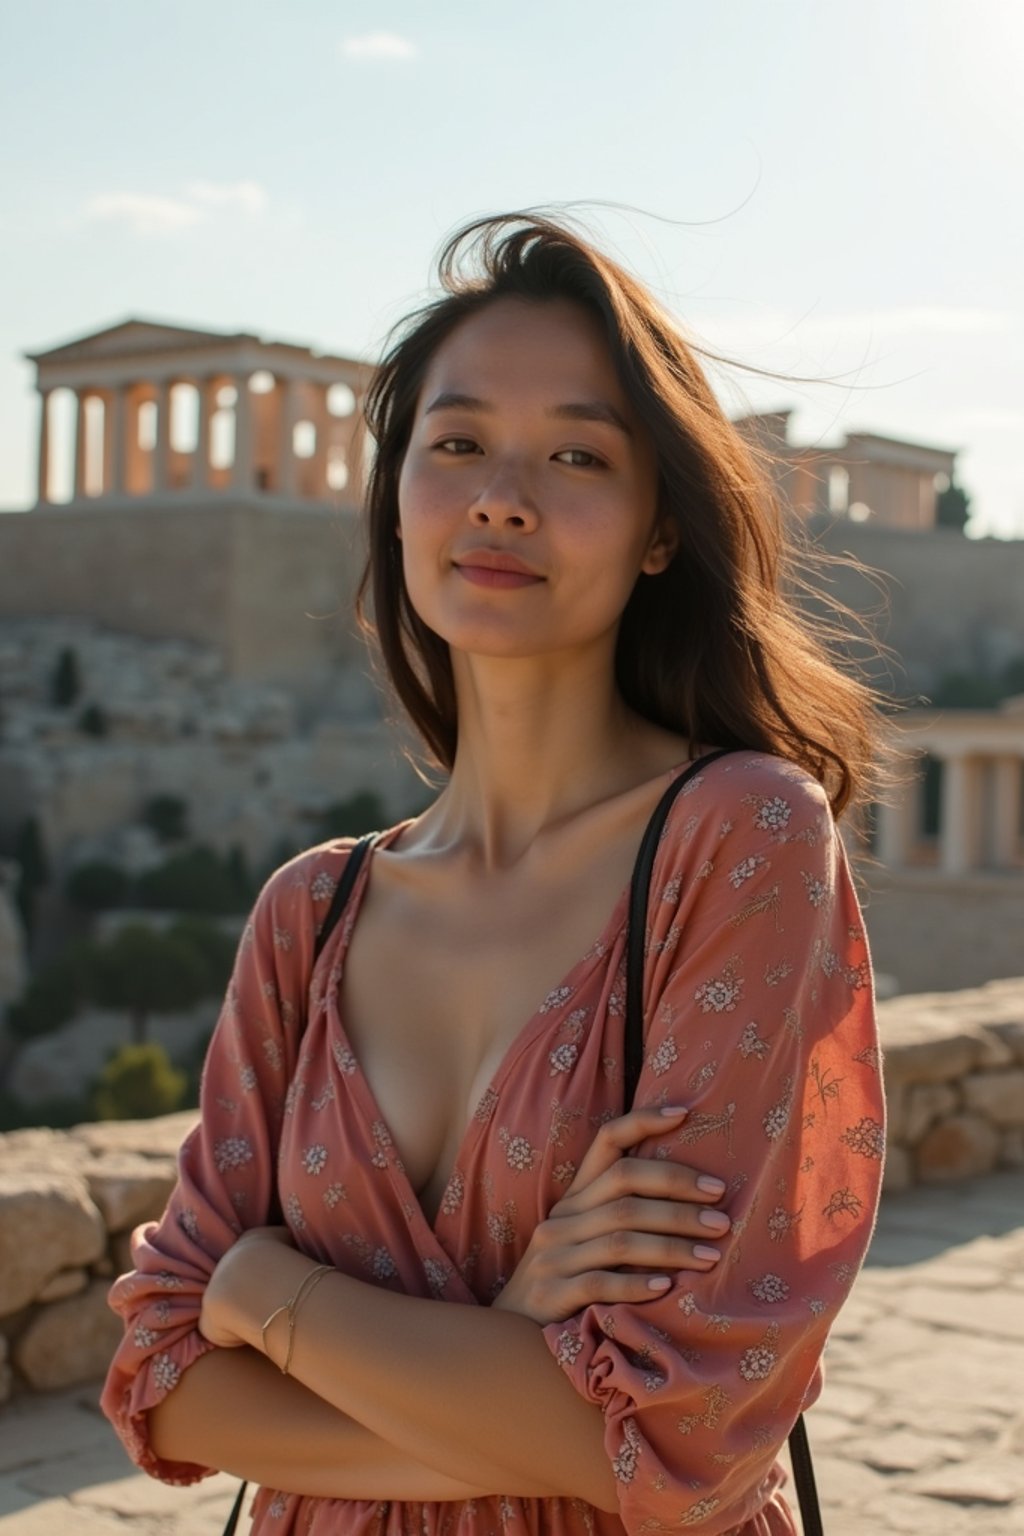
pixel 829 190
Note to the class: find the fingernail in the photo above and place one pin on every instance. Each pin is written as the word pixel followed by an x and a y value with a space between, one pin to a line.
pixel 711 1186
pixel 676 1109
pixel 659 1283
pixel 718 1220
pixel 700 1252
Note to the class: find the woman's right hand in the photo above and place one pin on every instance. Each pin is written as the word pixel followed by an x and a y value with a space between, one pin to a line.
pixel 646 1213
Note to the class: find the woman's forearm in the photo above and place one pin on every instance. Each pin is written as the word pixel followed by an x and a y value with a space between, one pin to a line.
pixel 470 1390
pixel 233 1410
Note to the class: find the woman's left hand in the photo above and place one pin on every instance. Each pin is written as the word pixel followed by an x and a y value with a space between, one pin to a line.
pixel 219 1314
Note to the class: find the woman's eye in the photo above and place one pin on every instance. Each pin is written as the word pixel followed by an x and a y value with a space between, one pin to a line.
pixel 581 454
pixel 456 445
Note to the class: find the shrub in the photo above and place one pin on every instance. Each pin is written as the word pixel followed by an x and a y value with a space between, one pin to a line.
pixel 137 1083
pixel 97 885
pixel 93 721
pixel 66 681
pixel 194 880
pixel 167 816
pixel 146 972
pixel 361 812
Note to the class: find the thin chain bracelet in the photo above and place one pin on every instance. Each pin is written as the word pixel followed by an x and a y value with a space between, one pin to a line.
pixel 291 1307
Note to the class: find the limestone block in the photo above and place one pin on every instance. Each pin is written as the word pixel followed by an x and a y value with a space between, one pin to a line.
pixel 67 1282
pixel 149 1138
pixel 121 1254
pixel 47 1223
pixel 69 1342
pixel 128 1188
pixel 898 1173
pixel 997 1095
pixel 957 1148
pixel 927 1047
pixel 926 1103
pixel 895 1112
pixel 1011 1034
pixel 1011 1149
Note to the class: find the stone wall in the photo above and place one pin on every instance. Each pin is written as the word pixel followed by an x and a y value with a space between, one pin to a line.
pixel 954 1071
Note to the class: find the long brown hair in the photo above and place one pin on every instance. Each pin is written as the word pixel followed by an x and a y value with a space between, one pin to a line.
pixel 715 647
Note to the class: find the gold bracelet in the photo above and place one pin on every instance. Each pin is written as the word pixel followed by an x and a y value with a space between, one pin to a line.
pixel 314 1278
pixel 290 1307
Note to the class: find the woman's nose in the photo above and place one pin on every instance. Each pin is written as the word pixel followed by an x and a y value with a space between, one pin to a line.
pixel 504 501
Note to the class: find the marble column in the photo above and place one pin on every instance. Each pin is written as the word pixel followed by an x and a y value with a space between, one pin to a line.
pixel 113 440
pixel 287 476
pixel 897 822
pixel 162 450
pixel 1004 821
pixel 44 446
pixel 322 422
pixel 201 457
pixel 958 833
pixel 79 481
pixel 241 469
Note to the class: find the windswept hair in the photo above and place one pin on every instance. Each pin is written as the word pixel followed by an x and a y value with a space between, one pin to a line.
pixel 717 647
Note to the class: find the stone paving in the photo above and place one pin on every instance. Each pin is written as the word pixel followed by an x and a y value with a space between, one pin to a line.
pixel 920 1428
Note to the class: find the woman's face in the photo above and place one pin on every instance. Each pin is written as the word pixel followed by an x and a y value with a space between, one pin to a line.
pixel 524 444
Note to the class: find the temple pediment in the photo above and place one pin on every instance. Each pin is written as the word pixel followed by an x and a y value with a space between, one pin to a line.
pixel 135 338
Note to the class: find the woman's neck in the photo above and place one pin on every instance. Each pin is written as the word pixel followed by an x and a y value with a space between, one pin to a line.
pixel 535 747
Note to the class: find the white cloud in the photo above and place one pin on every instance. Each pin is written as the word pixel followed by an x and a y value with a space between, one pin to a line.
pixel 378 45
pixel 146 214
pixel 245 194
pixel 772 327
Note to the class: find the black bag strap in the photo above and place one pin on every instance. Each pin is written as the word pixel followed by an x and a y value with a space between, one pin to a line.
pixel 799 1449
pixel 342 892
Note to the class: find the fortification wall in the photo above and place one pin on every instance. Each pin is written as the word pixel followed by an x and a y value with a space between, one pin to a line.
pixel 241 577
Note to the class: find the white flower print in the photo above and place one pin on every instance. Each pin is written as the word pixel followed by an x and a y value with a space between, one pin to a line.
pixel 776 973
pixel 453 1195
pixel 247 1077
pixel 703 1075
pixel 563 1057
pixel 769 1288
pixel 780 1221
pixel 344 1058
pixel 383 1266
pixel 165 1373
pixel 502 1224
pixel 758 1363
pixel 624 1464
pixel 564 1173
pixel 671 891
pixel 188 1221
pixel 293 1210
pixel 272 1051
pixel 696 1512
pixel 718 995
pixel 314 1158
pixel 333 1194
pixel 573 1026
pixel 487 1105
pixel 751 1043
pixel 663 1058
pixel 555 999
pixel 143 1337
pixel 162 1313
pixel 322 887
pixel 568 1346
pixel 816 889
pixel 324 1097
pixel 816 1305
pixel 438 1275
pixel 519 1155
pixel 282 939
pixel 687 1303
pixel 777 1118
pixel 232 1152
pixel 745 870
pixel 278 1506
pixel 772 815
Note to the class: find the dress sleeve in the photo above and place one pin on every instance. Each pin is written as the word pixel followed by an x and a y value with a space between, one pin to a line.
pixel 759 1014
pixel 226 1165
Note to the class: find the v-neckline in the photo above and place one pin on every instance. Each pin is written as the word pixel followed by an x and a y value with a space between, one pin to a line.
pixel 537 1022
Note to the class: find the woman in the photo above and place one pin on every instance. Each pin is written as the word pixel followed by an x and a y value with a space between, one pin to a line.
pixel 575 568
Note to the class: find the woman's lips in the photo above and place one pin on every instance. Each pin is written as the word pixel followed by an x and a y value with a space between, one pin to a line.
pixel 484 576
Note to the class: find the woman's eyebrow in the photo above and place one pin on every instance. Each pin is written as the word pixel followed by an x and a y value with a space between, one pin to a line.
pixel 577 410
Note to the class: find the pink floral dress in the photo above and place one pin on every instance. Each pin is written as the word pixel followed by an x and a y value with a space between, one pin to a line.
pixel 759 1016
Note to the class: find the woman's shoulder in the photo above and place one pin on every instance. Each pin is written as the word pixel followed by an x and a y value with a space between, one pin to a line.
pixel 300 889
pixel 747 796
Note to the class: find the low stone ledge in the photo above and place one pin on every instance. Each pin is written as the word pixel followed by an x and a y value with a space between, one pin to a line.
pixel 69 1200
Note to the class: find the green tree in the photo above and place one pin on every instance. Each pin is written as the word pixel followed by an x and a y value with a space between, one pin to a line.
pixel 66 680
pixel 137 1083
pixel 215 949
pixel 361 812
pixel 952 507
pixel 93 721
pixel 194 880
pixel 167 816
pixel 50 1000
pixel 33 869
pixel 97 885
pixel 146 972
